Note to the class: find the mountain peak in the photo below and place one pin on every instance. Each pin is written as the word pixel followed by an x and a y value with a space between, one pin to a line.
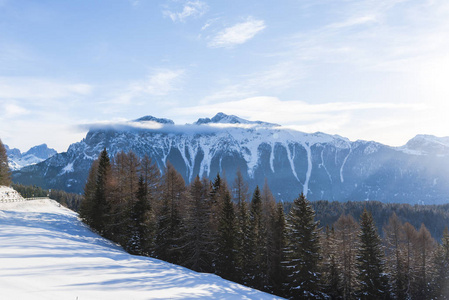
pixel 222 118
pixel 154 119
pixel 427 144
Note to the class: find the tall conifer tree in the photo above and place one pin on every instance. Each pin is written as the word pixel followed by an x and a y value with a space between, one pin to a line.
pixel 226 242
pixel 373 283
pixel 199 239
pixel 257 234
pixel 100 207
pixel 303 251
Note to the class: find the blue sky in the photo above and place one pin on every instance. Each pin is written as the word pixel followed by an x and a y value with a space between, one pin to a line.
pixel 363 69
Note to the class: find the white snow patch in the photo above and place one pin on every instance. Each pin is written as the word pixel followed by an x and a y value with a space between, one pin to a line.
pixel 324 166
pixel 67 169
pixel 291 158
pixel 309 169
pixel 343 164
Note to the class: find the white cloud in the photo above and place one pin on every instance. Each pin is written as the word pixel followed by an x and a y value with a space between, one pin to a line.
pixel 38 88
pixel 160 83
pixel 190 9
pixel 355 120
pixel 238 34
pixel 271 79
pixel 11 110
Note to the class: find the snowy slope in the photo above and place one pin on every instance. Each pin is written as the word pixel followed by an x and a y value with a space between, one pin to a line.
pixel 47 253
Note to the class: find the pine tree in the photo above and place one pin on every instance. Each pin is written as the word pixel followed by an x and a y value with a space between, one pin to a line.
pixel 100 206
pixel 240 192
pixel 373 283
pixel 199 239
pixel 303 251
pixel 88 204
pixel 142 225
pixel 277 275
pixel 268 221
pixel 5 173
pixel 226 242
pixel 257 244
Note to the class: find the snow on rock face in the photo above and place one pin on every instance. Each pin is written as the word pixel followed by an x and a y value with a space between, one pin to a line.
pixel 320 165
pixel 47 253
pixel 36 154
pixel 222 118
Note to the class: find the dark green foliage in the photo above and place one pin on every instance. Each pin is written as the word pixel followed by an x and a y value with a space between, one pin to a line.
pixel 199 239
pixel 433 216
pixel 277 275
pixel 257 261
pixel 226 243
pixel 142 226
pixel 100 207
pixel 5 172
pixel 371 277
pixel 302 251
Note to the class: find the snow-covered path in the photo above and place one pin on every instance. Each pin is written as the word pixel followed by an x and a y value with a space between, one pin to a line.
pixel 47 253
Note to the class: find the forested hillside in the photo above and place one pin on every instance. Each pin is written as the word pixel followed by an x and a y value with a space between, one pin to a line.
pixel 220 227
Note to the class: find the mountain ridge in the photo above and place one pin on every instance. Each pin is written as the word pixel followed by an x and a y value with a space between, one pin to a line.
pixel 36 154
pixel 320 165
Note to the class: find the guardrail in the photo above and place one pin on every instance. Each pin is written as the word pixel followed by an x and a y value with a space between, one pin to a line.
pixel 11 199
pixel 17 199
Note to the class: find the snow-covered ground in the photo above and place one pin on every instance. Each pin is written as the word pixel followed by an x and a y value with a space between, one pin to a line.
pixel 47 253
pixel 8 194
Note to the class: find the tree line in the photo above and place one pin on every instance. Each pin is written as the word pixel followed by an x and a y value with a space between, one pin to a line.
pixel 5 172
pixel 222 228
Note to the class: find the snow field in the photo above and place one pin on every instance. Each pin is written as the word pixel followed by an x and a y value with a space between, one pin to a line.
pixel 47 253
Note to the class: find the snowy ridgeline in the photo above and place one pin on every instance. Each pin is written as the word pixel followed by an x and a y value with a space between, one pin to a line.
pixel 46 252
pixel 8 194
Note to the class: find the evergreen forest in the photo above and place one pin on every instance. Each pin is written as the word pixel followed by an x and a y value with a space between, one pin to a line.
pixel 245 236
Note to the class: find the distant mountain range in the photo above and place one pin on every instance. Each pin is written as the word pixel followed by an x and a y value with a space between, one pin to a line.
pixel 37 154
pixel 321 166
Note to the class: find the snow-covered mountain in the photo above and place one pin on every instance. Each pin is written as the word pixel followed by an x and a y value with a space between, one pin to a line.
pixel 321 166
pixel 47 253
pixel 18 160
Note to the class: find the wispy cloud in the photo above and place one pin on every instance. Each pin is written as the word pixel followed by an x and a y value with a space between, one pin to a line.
pixel 238 34
pixel 40 88
pixel 189 9
pixel 271 79
pixel 160 82
pixel 331 117
pixel 11 110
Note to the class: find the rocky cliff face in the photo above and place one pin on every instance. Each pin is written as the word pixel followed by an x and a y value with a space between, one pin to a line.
pixel 319 165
